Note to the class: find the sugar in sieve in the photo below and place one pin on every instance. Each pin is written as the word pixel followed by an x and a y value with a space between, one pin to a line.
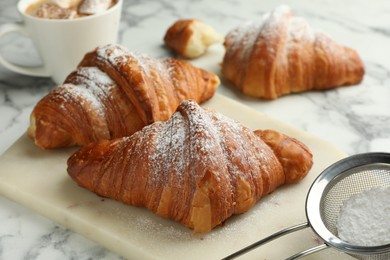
pixel 337 183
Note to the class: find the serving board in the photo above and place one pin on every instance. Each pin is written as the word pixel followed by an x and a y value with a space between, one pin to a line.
pixel 38 180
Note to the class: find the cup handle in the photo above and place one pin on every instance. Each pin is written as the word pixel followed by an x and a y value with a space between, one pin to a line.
pixel 39 71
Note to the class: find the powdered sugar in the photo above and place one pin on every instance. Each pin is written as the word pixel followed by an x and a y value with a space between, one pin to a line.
pixel 243 36
pixel 95 75
pixel 184 139
pixel 84 96
pixel 115 54
pixel 365 218
pixel 89 88
pixel 93 87
pixel 299 29
pixel 111 53
pixel 244 143
pixel 274 20
pixel 199 141
pixel 169 140
pixel 269 28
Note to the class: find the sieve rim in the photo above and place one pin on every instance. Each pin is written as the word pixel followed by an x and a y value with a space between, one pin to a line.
pixel 320 185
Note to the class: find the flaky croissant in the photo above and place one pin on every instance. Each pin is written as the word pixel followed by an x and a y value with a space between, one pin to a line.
pixel 197 168
pixel 191 38
pixel 114 93
pixel 282 54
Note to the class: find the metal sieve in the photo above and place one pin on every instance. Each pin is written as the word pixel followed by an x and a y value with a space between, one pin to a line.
pixel 337 183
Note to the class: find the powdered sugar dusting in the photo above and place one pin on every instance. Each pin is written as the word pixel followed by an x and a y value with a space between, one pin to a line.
pixel 272 21
pixel 245 142
pixel 184 139
pixel 169 140
pixel 94 86
pixel 250 34
pixel 84 95
pixel 299 29
pixel 204 136
pixel 95 75
pixel 112 53
pixel 91 88
pixel 115 54
pixel 364 218
pixel 243 36
pixel 198 140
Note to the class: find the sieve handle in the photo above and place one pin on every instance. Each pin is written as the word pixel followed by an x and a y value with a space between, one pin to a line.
pixel 267 239
pixel 308 252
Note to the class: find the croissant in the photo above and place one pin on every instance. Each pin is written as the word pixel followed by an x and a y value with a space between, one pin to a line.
pixel 190 38
pixel 198 168
pixel 114 93
pixel 282 54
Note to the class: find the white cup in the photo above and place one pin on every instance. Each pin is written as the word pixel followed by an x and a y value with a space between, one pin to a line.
pixel 62 43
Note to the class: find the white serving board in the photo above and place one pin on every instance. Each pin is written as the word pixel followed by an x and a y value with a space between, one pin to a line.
pixel 38 180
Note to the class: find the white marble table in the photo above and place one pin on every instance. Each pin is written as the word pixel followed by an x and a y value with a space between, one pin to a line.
pixel 356 119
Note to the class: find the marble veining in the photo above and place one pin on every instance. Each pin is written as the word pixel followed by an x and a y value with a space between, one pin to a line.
pixel 356 119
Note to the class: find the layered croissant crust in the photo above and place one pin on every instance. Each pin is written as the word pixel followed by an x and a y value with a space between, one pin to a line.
pixel 114 93
pixel 197 168
pixel 282 54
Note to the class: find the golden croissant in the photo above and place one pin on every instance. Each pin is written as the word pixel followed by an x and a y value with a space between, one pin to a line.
pixel 114 93
pixel 191 38
pixel 282 54
pixel 198 168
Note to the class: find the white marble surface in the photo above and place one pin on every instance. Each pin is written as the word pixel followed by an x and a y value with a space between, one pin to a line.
pixel 356 119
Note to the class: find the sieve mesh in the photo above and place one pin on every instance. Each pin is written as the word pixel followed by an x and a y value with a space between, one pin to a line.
pixel 351 182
